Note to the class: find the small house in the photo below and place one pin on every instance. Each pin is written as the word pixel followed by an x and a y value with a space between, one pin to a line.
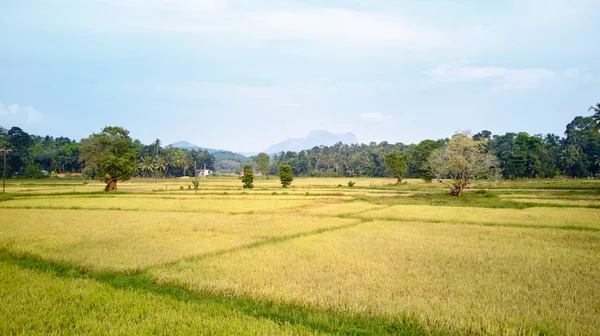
pixel 203 172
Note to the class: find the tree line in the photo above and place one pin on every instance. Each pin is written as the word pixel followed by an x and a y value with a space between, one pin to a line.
pixel 33 156
pixel 519 155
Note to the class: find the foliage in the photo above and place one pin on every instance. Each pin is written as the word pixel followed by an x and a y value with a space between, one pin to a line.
pixel 285 175
pixel 248 177
pixel 396 165
pixel 418 159
pixel 262 163
pixel 461 161
pixel 351 183
pixel 33 172
pixel 596 116
pixel 110 153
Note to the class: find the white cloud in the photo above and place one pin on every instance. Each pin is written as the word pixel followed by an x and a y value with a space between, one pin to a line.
pixel 506 79
pixel 30 114
pixel 280 21
pixel 374 116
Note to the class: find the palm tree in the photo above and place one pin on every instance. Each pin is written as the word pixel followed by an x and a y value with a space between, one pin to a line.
pixel 596 116
pixel 180 161
pixel 160 165
pixel 146 166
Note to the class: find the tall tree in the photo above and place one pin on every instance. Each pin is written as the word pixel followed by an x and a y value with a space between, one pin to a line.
pixel 262 163
pixel 419 156
pixel 462 161
pixel 596 116
pixel 110 153
pixel 396 165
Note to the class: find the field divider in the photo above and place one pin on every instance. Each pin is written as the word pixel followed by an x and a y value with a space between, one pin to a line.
pixel 260 243
pixel 325 321
pixel 441 221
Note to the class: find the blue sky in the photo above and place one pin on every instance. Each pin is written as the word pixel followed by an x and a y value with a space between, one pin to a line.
pixel 244 74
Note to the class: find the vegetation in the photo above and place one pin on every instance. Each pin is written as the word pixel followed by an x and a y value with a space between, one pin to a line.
pixel 396 165
pixel 110 154
pixel 262 163
pixel 285 175
pixel 520 155
pixel 315 259
pixel 248 177
pixel 462 160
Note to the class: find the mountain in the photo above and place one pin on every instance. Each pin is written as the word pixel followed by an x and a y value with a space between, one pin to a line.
pixel 219 154
pixel 314 138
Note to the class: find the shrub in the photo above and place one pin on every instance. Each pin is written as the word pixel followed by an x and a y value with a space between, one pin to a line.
pixel 248 177
pixel 351 183
pixel 285 175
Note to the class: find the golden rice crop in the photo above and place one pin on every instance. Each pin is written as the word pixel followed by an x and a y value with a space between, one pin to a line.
pixel 333 208
pixel 124 240
pixel 554 217
pixel 460 278
pixel 40 304
pixel 151 204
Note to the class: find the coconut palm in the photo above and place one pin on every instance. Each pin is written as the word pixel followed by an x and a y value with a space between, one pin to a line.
pixel 146 166
pixel 596 116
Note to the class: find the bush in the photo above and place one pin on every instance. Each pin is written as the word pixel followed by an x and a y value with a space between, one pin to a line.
pixel 351 183
pixel 248 177
pixel 68 175
pixel 33 172
pixel 285 175
pixel 180 187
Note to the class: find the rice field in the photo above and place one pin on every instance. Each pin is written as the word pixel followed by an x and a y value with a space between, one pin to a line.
pixel 510 258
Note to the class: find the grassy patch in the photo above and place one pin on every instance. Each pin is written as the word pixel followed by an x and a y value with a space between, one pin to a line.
pixel 130 241
pixel 464 279
pixel 102 302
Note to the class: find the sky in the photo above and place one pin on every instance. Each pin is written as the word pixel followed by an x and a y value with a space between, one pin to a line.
pixel 242 75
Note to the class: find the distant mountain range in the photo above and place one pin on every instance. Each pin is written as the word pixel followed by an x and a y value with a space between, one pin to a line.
pixel 314 138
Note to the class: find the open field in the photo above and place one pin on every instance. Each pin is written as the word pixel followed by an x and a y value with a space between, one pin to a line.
pixel 515 257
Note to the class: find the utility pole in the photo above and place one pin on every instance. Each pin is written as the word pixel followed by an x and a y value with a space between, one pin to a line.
pixel 195 178
pixel 204 174
pixel 5 151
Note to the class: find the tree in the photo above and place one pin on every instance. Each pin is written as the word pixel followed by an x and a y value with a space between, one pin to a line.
pixel 248 177
pixel 285 175
pixel 462 161
pixel 396 165
pixel 110 153
pixel 419 156
pixel 262 163
pixel 596 116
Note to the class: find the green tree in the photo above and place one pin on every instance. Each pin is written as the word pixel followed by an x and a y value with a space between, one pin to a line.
pixel 262 163
pixel 285 175
pixel 462 161
pixel 248 177
pixel 596 116
pixel 419 156
pixel 111 155
pixel 396 165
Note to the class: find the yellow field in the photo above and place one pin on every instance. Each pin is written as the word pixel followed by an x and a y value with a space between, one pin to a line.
pixel 518 257
pixel 125 240
pixel 455 278
pixel 549 217
pixel 36 303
